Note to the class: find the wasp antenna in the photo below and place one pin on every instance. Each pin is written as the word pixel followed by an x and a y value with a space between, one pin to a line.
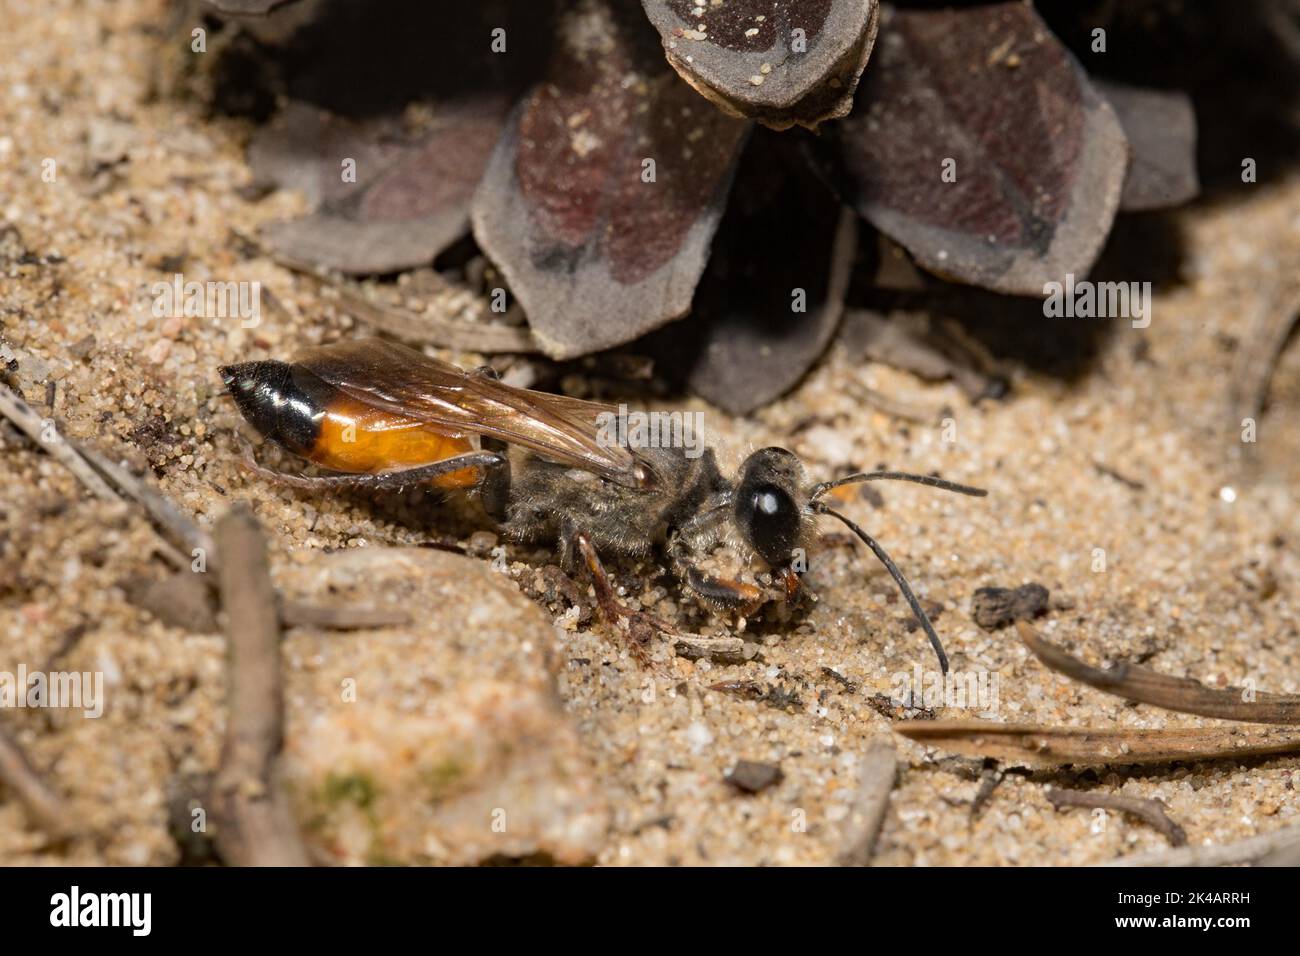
pixel 901 581
pixel 940 483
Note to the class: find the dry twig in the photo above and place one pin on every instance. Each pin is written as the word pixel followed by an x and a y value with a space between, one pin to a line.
pixel 1150 811
pixel 488 338
pixel 46 808
pixel 1182 694
pixel 990 777
pixel 255 825
pixel 1033 745
pixel 298 614
pixel 906 410
pixel 724 650
pixel 112 481
pixel 1259 850
pixel 176 526
pixel 46 435
pixel 876 779
pixel 1257 357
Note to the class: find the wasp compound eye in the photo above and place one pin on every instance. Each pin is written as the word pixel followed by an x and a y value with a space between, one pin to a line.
pixel 769 520
pixel 766 511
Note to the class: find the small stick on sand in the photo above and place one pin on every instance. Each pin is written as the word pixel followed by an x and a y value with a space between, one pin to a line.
pixel 113 482
pixel 1259 352
pixel 255 825
pixel 1039 745
pixel 1150 811
pixel 298 614
pixel 875 783
pixel 488 338
pixel 43 805
pixel 1182 694
pixel 47 437
pixel 105 479
pixel 1260 850
pixel 723 650
pixel 990 776
pixel 908 411
pixel 165 515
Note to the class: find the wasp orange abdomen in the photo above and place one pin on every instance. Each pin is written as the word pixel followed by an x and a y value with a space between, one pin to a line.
pixel 293 407
pixel 358 438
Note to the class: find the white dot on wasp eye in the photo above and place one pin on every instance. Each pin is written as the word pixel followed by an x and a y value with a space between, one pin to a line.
pixel 767 503
pixel 1228 493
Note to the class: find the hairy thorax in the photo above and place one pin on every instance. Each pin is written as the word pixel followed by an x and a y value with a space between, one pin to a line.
pixel 551 502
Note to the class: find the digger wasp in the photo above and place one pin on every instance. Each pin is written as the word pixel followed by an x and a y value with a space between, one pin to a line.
pixel 384 416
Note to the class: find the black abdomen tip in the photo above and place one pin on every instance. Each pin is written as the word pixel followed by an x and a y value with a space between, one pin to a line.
pixel 274 401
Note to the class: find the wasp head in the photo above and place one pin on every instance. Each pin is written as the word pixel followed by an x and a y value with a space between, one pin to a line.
pixel 769 504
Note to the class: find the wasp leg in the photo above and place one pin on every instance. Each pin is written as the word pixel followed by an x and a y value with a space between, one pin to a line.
pixel 791 585
pixel 384 479
pixel 494 489
pixel 641 625
pixel 724 593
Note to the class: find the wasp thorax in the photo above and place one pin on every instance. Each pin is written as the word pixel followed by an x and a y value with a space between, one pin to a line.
pixel 768 513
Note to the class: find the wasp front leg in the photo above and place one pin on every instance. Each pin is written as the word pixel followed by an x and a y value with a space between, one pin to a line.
pixel 696 537
pixel 641 625
pixel 727 594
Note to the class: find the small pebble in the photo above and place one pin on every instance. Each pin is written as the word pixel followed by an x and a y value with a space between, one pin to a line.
pixel 752 777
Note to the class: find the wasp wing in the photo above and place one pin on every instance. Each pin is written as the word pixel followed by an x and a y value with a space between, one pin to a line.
pixel 405 382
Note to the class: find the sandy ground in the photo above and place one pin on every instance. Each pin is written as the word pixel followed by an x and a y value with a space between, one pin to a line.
pixel 1199 561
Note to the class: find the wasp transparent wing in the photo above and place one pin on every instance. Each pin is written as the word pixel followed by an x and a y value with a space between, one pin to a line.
pixel 393 377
